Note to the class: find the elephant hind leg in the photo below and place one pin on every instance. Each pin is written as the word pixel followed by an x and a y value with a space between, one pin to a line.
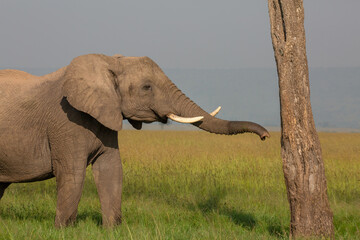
pixel 3 186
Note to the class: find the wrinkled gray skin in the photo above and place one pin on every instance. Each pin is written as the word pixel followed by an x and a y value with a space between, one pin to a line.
pixel 58 124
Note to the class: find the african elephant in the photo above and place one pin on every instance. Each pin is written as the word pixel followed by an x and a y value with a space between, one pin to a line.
pixel 58 124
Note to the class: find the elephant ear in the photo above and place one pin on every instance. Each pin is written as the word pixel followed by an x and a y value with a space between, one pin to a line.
pixel 90 86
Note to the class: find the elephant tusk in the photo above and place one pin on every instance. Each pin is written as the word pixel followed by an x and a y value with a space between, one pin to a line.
pixel 216 111
pixel 184 119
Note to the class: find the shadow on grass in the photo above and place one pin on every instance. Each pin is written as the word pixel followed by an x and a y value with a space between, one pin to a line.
pixel 90 215
pixel 22 213
pixel 243 219
pixel 212 204
pixel 277 228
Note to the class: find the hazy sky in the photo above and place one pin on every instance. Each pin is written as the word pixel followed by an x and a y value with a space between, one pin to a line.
pixel 176 34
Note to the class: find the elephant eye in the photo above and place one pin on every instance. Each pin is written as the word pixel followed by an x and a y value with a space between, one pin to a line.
pixel 146 87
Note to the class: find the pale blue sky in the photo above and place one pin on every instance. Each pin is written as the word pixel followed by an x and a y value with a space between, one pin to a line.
pixel 176 34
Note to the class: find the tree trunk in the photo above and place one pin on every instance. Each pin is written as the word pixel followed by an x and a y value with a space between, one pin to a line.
pixel 300 147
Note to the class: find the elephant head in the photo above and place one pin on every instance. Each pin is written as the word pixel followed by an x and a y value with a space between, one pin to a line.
pixel 111 89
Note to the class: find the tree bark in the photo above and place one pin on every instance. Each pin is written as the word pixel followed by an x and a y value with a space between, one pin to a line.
pixel 300 147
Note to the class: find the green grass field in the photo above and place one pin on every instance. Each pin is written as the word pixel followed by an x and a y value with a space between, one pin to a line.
pixel 193 185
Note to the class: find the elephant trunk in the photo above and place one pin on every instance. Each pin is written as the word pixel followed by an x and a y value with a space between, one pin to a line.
pixel 185 107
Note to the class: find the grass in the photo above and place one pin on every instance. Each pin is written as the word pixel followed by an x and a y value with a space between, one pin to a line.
pixel 193 185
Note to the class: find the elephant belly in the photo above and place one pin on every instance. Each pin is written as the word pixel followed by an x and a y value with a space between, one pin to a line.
pixel 24 158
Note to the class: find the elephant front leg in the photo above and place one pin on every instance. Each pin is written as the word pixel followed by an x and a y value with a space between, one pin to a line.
pixel 107 171
pixel 70 178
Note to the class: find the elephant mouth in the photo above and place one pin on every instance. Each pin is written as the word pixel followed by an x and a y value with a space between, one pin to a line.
pixel 195 119
pixel 163 119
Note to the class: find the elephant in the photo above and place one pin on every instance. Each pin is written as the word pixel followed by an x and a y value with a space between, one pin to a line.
pixel 57 124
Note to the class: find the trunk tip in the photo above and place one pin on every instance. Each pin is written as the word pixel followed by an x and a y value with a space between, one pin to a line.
pixel 265 135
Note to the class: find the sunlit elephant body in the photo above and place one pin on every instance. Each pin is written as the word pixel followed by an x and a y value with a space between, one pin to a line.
pixel 58 124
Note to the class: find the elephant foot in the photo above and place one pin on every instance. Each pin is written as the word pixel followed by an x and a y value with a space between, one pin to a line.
pixel 112 222
pixel 61 222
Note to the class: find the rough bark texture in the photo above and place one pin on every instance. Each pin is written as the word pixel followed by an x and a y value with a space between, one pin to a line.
pixel 300 147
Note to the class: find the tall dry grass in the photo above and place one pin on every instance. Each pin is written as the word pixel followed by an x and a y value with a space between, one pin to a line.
pixel 193 185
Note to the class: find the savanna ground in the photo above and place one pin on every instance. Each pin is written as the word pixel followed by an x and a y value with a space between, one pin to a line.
pixel 193 185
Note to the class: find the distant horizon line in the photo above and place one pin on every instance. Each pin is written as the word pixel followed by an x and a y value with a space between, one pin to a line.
pixel 157 126
pixel 185 68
